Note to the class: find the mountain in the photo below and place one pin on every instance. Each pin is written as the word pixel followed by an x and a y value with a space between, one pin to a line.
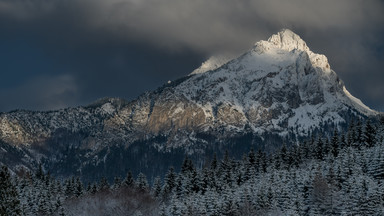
pixel 278 91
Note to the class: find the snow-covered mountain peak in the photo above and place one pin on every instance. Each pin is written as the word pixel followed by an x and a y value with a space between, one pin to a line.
pixel 288 40
pixel 275 47
pixel 278 84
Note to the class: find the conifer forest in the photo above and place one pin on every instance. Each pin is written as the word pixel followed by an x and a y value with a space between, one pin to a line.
pixel 341 174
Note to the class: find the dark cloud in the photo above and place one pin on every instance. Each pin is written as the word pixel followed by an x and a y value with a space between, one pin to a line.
pixel 41 92
pixel 124 47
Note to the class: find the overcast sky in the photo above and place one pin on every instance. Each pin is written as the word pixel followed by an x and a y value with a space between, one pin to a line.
pixel 60 53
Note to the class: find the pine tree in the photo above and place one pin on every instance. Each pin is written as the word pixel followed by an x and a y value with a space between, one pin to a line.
pixel 295 157
pixel 305 148
pixel 284 156
pixel 187 165
pixel 351 134
pixel 277 161
pixel 326 148
pixel 319 149
pixel 214 162
pixel 40 173
pixel 129 181
pixel 103 184
pixel 9 201
pixel 335 144
pixel 251 158
pixel 369 134
pixel 170 182
pixel 156 188
pixel 43 206
pixel 93 188
pixel 320 195
pixel 343 142
pixel 206 181
pixel 116 183
pixel 142 183
pixel 260 159
pixel 359 135
pixel 264 162
pixel 78 187
pixel 307 197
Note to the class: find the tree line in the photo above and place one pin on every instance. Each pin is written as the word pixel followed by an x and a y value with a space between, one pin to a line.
pixel 338 175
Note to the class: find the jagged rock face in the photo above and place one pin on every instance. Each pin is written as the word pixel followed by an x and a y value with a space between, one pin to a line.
pixel 278 86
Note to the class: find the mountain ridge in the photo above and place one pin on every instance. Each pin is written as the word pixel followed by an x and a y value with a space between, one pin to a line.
pixel 278 91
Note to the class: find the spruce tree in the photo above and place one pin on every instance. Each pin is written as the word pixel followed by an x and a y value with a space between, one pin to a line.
pixel 9 200
pixel 40 173
pixel 319 150
pixel 116 183
pixel 284 155
pixel 156 188
pixel 335 144
pixel 78 187
pixel 103 184
pixel 264 162
pixel 359 135
pixel 129 181
pixel 187 165
pixel 251 158
pixel 214 162
pixel 369 134
pixel 142 182
pixel 170 182
pixel 351 134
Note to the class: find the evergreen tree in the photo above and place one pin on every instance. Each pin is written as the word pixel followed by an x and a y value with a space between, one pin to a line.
pixel 170 182
pixel 343 142
pixel 351 134
pixel 369 134
pixel 319 150
pixel 93 188
pixel 9 200
pixel 117 183
pixel 305 148
pixel 69 188
pixel 320 196
pixel 78 187
pixel 326 148
pixel 40 173
pixel 129 181
pixel 335 144
pixel 214 162
pixel 284 155
pixel 103 184
pixel 142 183
pixel 43 206
pixel 156 188
pixel 251 158
pixel 359 135
pixel 187 165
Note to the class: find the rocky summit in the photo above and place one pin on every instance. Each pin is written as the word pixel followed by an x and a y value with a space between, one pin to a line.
pixel 278 91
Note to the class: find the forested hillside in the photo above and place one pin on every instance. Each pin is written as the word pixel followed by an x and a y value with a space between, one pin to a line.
pixel 338 175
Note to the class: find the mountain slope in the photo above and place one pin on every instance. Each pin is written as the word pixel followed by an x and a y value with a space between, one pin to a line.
pixel 277 91
pixel 278 84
